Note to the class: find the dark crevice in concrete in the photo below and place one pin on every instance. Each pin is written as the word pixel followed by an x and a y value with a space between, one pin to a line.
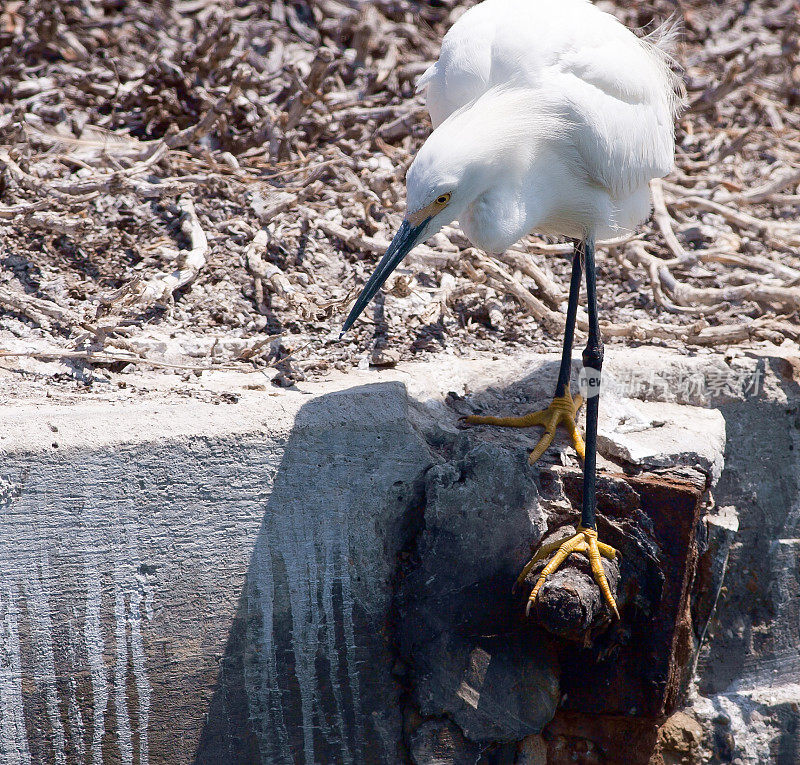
pixel 407 560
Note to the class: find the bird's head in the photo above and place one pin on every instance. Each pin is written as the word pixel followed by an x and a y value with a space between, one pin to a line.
pixel 439 188
pixel 483 146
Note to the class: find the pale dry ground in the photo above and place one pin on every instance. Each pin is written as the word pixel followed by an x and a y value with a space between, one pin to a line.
pixel 209 185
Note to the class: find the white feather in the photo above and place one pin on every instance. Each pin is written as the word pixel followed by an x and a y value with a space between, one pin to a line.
pixel 549 115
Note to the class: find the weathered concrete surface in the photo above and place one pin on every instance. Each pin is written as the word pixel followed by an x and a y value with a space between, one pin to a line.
pixel 748 687
pixel 213 596
pixel 206 569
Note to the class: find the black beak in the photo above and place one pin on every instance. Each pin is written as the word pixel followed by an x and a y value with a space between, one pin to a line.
pixel 403 242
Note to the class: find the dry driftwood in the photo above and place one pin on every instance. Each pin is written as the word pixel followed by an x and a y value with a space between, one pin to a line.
pixel 306 123
pixel 191 261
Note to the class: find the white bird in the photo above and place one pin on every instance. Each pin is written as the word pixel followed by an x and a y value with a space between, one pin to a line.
pixel 549 116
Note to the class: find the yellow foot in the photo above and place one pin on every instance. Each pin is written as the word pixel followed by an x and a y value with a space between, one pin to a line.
pixel 584 541
pixel 562 411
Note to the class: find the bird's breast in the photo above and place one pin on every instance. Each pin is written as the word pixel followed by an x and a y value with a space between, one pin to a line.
pixel 495 220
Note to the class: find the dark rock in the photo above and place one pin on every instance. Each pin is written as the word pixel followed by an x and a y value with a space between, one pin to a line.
pixel 641 662
pixel 599 740
pixel 569 604
pixel 532 750
pixel 475 656
pixel 442 742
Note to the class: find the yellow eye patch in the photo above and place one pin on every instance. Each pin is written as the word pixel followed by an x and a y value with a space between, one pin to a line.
pixel 434 208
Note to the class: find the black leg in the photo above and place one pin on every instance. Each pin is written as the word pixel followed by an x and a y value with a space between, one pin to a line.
pixel 592 359
pixel 569 328
pixel 562 409
pixel 585 540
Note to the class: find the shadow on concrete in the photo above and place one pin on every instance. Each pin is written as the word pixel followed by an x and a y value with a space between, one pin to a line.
pixel 307 671
pixel 306 674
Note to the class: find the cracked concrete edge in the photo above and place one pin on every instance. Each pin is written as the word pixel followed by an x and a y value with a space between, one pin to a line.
pixel 155 405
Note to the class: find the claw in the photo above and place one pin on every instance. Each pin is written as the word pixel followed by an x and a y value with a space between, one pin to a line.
pixel 562 411
pixel 543 445
pixel 583 541
pixel 542 552
pixel 600 575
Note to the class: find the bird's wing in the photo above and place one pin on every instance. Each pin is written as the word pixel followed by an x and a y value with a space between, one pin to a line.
pixel 621 99
pixel 615 89
pixel 463 71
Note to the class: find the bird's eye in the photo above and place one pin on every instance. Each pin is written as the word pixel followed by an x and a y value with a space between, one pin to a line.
pixel 443 199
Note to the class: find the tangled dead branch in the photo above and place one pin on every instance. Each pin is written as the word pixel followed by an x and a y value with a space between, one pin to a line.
pixel 184 181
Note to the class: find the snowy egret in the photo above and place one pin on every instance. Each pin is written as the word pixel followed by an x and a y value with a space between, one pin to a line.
pixel 549 116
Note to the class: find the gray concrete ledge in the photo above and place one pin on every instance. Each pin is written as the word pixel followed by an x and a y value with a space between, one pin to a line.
pixel 206 570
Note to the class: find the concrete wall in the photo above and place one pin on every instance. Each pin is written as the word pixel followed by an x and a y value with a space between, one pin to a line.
pixel 137 556
pixel 207 570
